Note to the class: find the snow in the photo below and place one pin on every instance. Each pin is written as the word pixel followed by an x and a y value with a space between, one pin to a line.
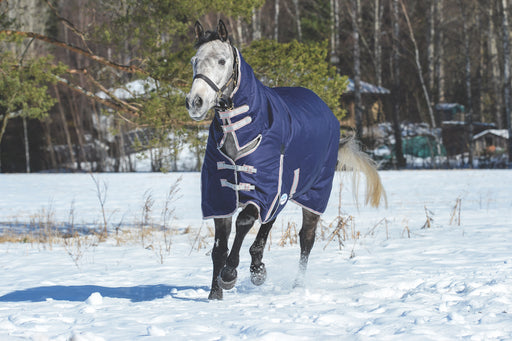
pixel 498 132
pixel 395 280
pixel 132 89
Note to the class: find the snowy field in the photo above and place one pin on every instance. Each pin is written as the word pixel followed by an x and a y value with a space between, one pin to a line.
pixel 392 280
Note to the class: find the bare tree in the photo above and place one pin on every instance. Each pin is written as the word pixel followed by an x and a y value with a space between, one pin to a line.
pixel 431 44
pixel 506 74
pixel 469 104
pixel 298 19
pixel 439 61
pixel 396 86
pixel 492 47
pixel 256 23
pixel 377 33
pixel 356 19
pixel 276 20
pixel 418 66
pixel 335 31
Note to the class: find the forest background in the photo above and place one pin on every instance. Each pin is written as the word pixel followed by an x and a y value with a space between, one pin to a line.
pixel 86 84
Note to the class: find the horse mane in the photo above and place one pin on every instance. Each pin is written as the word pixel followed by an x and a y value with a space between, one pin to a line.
pixel 209 36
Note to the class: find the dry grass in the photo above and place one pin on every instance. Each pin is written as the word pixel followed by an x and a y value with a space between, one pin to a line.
pixel 455 216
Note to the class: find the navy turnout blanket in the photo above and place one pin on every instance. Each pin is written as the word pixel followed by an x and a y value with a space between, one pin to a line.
pixel 295 137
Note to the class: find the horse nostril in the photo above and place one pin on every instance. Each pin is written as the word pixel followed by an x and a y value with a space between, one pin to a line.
pixel 186 103
pixel 198 102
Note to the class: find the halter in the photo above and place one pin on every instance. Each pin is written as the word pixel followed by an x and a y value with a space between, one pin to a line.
pixel 224 101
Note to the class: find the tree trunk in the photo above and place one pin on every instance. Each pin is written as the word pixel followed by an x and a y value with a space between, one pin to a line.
pixel 77 123
pixel 239 31
pixel 25 142
pixel 479 76
pixel 440 72
pixel 65 127
pixel 377 32
pixel 297 19
pixel 430 45
pixel 506 75
pixel 469 112
pixel 495 66
pixel 419 68
pixel 396 87
pixel 276 20
pixel 256 24
pixel 356 10
pixel 335 31
pixel 49 143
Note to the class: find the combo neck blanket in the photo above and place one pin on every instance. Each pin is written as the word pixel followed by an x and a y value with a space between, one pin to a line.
pixel 293 138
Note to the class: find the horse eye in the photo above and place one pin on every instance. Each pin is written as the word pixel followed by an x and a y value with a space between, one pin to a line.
pixel 222 61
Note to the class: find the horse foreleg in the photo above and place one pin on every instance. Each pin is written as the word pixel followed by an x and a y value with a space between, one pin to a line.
pixel 244 222
pixel 258 271
pixel 219 254
pixel 307 240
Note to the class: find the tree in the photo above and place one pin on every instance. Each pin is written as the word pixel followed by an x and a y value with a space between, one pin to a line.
pixel 469 113
pixel 297 64
pixel 396 86
pixel 23 87
pixel 418 66
pixel 356 23
pixel 506 75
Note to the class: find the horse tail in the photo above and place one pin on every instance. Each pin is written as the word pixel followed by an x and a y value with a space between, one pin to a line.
pixel 352 158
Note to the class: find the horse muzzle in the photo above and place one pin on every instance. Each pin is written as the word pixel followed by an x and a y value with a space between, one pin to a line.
pixel 196 107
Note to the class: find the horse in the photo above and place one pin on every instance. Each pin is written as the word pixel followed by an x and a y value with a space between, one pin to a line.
pixel 266 146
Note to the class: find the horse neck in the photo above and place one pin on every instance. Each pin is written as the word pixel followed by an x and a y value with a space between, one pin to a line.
pixel 246 77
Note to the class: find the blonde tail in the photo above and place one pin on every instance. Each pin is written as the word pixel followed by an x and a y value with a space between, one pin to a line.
pixel 352 158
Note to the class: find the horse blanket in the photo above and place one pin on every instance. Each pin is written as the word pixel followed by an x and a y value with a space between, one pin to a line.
pixel 294 138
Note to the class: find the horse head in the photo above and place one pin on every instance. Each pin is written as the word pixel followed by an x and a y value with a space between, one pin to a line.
pixel 214 71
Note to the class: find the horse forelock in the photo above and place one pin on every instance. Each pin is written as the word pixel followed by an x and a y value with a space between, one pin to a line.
pixel 207 37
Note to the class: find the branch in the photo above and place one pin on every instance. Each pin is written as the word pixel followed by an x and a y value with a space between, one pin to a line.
pixel 69 25
pixel 128 107
pixel 117 107
pixel 99 59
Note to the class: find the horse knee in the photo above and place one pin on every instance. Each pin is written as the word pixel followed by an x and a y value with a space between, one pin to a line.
pixel 247 217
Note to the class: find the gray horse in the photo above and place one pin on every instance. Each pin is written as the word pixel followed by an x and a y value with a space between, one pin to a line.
pixel 266 146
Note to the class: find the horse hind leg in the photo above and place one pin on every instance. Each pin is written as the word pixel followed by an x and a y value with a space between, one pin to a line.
pixel 258 271
pixel 244 222
pixel 307 240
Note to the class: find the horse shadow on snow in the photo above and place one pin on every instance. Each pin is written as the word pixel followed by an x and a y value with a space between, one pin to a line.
pixel 80 293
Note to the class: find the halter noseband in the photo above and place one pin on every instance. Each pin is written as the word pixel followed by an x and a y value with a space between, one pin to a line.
pixel 224 101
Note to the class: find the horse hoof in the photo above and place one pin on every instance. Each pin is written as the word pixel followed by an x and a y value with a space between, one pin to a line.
pixel 299 283
pixel 215 295
pixel 258 274
pixel 227 278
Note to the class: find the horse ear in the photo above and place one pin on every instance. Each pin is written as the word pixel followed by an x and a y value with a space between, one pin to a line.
pixel 222 31
pixel 198 28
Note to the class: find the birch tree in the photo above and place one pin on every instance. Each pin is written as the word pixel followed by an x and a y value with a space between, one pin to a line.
pixel 297 19
pixel 440 58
